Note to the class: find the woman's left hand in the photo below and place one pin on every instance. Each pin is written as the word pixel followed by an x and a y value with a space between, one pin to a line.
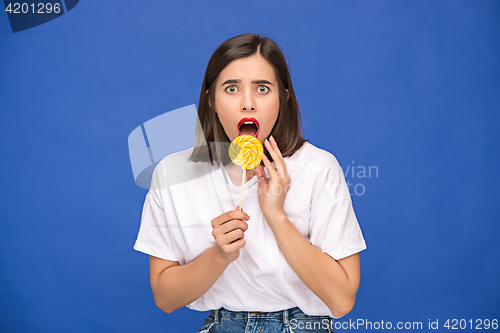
pixel 272 195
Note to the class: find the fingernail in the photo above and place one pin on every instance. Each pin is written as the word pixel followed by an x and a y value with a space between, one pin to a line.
pixel 272 137
pixel 266 141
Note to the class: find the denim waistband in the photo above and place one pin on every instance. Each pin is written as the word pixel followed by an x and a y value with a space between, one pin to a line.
pixel 285 315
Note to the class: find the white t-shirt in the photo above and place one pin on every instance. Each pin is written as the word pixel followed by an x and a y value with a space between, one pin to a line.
pixel 186 196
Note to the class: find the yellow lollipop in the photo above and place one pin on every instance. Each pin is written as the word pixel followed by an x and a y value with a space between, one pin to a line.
pixel 246 151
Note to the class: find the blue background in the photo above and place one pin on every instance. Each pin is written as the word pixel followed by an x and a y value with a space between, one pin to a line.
pixel 411 87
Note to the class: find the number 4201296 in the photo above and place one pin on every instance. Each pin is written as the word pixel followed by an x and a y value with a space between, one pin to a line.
pixel 478 324
pixel 39 8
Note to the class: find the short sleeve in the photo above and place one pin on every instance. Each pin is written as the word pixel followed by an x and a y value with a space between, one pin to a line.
pixel 334 228
pixel 154 237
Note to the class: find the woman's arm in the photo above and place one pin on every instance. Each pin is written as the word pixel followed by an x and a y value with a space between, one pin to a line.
pixel 335 282
pixel 175 286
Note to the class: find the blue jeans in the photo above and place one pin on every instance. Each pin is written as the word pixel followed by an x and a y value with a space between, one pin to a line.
pixel 286 321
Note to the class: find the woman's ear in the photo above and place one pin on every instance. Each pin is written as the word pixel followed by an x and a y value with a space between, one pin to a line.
pixel 206 96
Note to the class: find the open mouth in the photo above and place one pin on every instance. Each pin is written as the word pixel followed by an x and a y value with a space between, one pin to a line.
pixel 248 126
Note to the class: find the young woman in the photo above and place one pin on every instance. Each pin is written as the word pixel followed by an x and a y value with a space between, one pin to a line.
pixel 289 260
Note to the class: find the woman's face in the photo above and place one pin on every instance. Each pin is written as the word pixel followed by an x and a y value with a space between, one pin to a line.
pixel 247 98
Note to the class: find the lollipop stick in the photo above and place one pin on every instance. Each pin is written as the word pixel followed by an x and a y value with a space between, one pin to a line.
pixel 243 185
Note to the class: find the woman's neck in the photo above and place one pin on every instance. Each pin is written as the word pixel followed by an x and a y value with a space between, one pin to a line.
pixel 236 173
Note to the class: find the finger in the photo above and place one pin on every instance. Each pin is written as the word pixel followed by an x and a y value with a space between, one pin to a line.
pixel 261 175
pixel 228 227
pixel 241 210
pixel 274 144
pixel 235 246
pixel 235 214
pixel 269 167
pixel 224 240
pixel 276 158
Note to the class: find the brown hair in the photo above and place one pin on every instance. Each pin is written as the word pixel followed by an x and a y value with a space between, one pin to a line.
pixel 211 139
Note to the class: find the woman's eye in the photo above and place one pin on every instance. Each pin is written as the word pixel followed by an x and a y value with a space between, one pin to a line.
pixel 263 89
pixel 231 89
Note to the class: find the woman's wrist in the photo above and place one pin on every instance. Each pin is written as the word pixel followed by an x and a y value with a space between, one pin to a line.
pixel 273 218
pixel 219 257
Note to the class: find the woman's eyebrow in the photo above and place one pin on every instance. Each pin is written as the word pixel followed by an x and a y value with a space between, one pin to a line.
pixel 255 81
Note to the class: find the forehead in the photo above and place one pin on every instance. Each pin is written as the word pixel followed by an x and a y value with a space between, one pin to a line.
pixel 253 67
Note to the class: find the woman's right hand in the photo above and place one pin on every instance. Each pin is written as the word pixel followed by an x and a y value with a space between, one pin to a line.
pixel 228 231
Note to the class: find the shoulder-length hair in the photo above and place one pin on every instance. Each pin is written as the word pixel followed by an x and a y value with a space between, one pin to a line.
pixel 211 141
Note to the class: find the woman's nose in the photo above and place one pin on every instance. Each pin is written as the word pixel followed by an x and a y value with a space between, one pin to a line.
pixel 248 102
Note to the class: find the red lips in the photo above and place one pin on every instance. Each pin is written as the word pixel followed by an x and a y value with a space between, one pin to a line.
pixel 253 120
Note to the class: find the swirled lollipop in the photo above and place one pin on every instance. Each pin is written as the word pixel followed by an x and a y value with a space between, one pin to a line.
pixel 245 151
